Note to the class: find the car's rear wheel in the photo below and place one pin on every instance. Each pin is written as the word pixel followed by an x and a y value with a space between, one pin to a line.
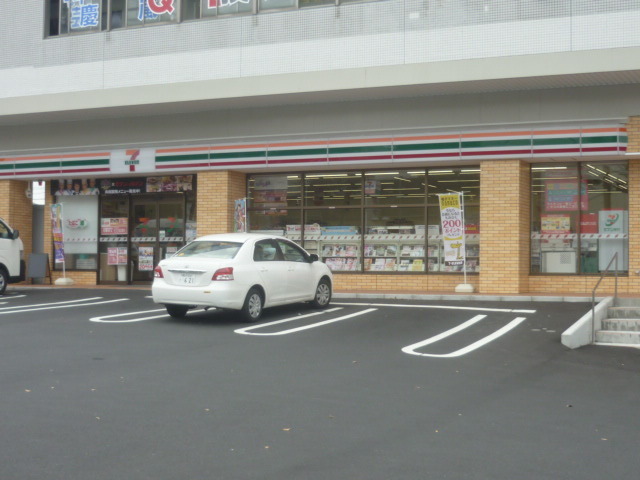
pixel 323 294
pixel 253 304
pixel 4 280
pixel 177 311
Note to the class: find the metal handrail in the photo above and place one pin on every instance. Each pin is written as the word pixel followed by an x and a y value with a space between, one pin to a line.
pixel 593 294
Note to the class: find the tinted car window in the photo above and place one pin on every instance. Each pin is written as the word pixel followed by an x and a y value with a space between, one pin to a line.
pixel 266 251
pixel 291 252
pixel 210 249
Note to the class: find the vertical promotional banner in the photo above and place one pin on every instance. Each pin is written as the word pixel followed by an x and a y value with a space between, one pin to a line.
pixel 56 230
pixel 451 216
pixel 240 215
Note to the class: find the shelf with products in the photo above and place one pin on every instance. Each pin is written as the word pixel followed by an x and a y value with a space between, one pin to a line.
pixel 394 252
pixel 340 254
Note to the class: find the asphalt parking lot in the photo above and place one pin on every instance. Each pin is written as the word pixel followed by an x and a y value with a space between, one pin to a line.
pixel 102 384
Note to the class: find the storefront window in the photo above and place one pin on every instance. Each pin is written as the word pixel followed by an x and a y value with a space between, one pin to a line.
pixel 368 221
pixel 579 217
pixel 394 239
pixel 399 187
pixel 333 189
pixel 80 231
pixel 338 241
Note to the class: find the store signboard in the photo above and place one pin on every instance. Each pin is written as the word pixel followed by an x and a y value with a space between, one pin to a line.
pixel 452 221
pixel 611 221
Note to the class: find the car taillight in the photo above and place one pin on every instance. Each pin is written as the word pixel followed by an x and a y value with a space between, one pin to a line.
pixel 223 274
pixel 157 272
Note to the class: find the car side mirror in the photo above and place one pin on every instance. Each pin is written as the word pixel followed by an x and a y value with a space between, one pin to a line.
pixel 313 258
pixel 15 234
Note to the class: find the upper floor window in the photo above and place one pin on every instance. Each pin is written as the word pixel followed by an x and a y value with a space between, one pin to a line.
pixel 64 17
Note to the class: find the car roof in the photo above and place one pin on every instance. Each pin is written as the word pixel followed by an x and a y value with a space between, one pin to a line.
pixel 236 237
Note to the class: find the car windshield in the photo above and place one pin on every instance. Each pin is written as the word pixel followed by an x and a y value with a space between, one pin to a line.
pixel 210 249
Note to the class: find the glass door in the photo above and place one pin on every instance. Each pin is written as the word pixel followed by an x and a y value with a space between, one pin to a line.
pixel 144 239
pixel 158 231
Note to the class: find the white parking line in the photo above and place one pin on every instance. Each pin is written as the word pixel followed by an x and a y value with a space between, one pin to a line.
pixel 53 306
pixel 445 307
pixel 142 319
pixel 53 303
pixel 10 297
pixel 411 349
pixel 246 330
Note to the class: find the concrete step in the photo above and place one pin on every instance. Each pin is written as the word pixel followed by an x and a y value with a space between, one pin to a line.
pixel 623 312
pixel 618 337
pixel 628 302
pixel 621 324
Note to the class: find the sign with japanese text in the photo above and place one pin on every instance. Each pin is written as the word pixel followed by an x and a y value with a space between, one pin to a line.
pixel 114 226
pixel 452 221
pixel 145 259
pixel 83 14
pixel 565 195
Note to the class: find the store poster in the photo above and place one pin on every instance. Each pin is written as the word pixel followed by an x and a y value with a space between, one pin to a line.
pixel 145 259
pixel 555 224
pixel 589 223
pixel 563 195
pixel 122 186
pixel 451 219
pixel 56 230
pixel 116 256
pixel 240 215
pixel 270 191
pixel 114 226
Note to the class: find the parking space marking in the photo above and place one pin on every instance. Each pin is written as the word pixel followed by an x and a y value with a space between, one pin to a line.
pixel 411 349
pixel 10 297
pixel 56 305
pixel 142 319
pixel 247 330
pixel 445 307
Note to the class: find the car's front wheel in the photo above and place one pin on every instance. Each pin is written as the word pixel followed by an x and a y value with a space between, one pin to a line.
pixel 4 281
pixel 323 294
pixel 253 304
pixel 177 311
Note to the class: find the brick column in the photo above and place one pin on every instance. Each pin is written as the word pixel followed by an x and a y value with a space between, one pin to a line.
pixel 216 193
pixel 504 226
pixel 633 146
pixel 17 210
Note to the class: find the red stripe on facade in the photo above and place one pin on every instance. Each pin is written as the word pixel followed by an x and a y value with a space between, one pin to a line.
pixel 496 153
pixel 300 160
pixel 370 157
pixel 428 155
pixel 84 170
pixel 182 165
pixel 236 164
pixel 600 149
pixel 538 151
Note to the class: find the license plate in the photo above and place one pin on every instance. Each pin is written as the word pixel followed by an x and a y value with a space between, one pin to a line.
pixel 187 278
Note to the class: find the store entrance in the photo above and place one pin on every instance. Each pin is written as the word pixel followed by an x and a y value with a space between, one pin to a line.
pixel 157 231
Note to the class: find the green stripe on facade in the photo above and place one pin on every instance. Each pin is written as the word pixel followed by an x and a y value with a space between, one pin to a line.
pixel 297 152
pixel 4 166
pixel 87 163
pixel 228 155
pixel 524 142
pixel 30 166
pixel 556 141
pixel 611 139
pixel 426 146
pixel 360 149
pixel 183 158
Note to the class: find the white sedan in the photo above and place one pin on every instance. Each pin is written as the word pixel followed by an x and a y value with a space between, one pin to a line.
pixel 240 271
